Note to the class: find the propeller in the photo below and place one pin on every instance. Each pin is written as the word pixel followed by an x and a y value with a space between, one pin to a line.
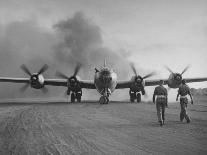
pixel 27 71
pixel 72 79
pixel 149 75
pixel 45 90
pixel 168 69
pixel 144 77
pixel 23 88
pixel 185 69
pixel 43 69
pixel 133 68
pixel 77 69
pixel 61 75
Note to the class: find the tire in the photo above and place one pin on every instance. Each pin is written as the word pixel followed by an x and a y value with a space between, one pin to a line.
pixel 78 97
pixel 132 97
pixel 138 97
pixel 72 98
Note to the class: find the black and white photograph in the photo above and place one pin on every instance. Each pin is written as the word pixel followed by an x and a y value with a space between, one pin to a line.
pixel 103 77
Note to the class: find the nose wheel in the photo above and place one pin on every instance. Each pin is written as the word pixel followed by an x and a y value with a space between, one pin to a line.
pixel 104 100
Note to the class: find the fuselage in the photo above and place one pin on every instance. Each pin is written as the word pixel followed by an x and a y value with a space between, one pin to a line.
pixel 105 81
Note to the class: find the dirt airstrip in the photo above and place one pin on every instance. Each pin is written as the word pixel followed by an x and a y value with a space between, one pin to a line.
pixel 90 128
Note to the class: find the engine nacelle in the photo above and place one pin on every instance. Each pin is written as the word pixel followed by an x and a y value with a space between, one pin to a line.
pixel 73 84
pixel 174 80
pixel 138 84
pixel 37 81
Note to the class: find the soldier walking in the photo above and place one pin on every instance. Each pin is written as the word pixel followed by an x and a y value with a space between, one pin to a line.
pixel 183 91
pixel 161 95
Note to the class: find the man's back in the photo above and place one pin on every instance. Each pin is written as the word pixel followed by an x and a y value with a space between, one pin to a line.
pixel 184 90
pixel 160 90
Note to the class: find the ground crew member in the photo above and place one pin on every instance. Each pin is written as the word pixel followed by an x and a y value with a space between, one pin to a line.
pixel 160 93
pixel 183 91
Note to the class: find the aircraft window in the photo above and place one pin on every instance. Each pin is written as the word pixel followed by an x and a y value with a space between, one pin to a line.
pixel 106 72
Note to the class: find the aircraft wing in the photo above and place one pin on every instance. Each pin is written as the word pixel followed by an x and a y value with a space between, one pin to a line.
pixel 56 82
pixel 14 80
pixel 87 84
pixel 190 80
pixel 63 82
pixel 155 82
pixel 124 84
pixel 128 84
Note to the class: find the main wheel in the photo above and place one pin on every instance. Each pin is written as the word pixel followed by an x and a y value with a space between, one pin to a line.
pixel 78 97
pixel 138 97
pixel 72 98
pixel 131 98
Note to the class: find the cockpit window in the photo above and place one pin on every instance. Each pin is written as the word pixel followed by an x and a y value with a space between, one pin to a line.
pixel 105 72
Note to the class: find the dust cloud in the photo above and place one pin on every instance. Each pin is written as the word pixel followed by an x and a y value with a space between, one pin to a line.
pixel 73 40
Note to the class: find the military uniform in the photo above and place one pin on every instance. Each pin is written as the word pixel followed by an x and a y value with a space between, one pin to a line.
pixel 161 102
pixel 183 91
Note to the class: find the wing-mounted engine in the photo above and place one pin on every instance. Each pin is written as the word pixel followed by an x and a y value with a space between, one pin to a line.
pixel 138 85
pixel 36 79
pixel 73 84
pixel 175 79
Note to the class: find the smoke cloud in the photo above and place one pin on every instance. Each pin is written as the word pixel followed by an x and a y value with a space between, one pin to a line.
pixel 74 40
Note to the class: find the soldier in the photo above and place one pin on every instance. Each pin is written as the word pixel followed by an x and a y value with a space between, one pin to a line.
pixel 161 101
pixel 183 91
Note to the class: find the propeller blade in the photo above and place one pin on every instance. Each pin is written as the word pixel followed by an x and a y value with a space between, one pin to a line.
pixel 43 69
pixel 133 68
pixel 77 69
pixel 44 90
pixel 25 69
pixel 61 75
pixel 185 69
pixel 169 69
pixel 149 75
pixel 22 89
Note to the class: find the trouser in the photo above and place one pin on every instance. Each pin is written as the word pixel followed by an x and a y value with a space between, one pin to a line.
pixel 183 112
pixel 160 106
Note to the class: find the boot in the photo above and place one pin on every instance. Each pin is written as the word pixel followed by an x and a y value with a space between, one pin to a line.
pixel 161 123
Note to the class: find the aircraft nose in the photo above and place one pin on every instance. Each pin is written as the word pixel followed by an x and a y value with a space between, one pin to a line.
pixel 106 79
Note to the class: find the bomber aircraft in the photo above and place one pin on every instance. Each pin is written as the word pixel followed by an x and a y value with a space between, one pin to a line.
pixel 105 82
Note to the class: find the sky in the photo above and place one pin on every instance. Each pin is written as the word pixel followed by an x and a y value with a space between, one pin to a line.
pixel 149 33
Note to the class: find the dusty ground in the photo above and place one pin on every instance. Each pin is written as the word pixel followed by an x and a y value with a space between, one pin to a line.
pixel 91 128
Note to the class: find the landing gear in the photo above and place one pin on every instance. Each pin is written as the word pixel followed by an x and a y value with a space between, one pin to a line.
pixel 138 97
pixel 104 100
pixel 72 97
pixel 135 96
pixel 132 96
pixel 77 96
